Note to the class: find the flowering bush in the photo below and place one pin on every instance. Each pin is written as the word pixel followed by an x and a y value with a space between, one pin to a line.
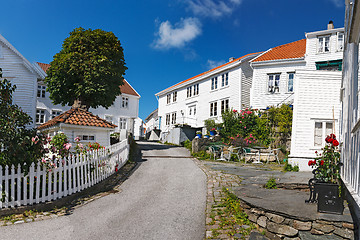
pixel 328 163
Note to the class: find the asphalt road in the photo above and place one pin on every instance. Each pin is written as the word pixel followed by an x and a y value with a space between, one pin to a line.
pixel 164 198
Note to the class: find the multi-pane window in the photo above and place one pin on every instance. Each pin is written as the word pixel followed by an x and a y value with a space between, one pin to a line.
pixel 86 137
pixel 214 83
pixel 291 82
pixel 213 109
pixel 196 89
pixel 167 119
pixel 173 118
pixel 40 116
pixel 321 130
pixel 168 98
pixel 225 79
pixel 125 102
pixel 122 123
pixel 324 44
pixel 224 105
pixel 55 113
pixel 192 110
pixel 174 96
pixel 189 91
pixel 109 118
pixel 340 41
pixel 41 91
pixel 274 82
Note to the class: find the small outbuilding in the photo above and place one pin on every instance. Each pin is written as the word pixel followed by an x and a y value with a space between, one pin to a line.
pixel 80 123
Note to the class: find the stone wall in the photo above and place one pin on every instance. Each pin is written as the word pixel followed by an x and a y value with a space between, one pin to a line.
pixel 281 227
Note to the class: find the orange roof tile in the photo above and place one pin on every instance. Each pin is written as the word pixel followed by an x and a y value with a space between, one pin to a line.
pixel 125 88
pixel 44 66
pixel 78 116
pixel 287 51
pixel 209 71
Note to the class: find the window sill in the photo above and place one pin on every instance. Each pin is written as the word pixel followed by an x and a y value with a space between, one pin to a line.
pixel 226 86
pixel 192 97
pixel 214 90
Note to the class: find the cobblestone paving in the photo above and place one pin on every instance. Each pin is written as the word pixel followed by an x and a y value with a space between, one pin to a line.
pixel 216 181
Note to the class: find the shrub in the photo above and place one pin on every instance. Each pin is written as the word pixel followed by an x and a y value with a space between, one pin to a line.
pixel 202 155
pixel 188 145
pixel 271 184
pixel 289 168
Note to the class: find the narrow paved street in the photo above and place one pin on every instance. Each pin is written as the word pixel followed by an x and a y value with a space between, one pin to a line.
pixel 164 198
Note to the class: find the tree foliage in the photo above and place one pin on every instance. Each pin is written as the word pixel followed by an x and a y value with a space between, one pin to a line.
pixel 16 145
pixel 89 68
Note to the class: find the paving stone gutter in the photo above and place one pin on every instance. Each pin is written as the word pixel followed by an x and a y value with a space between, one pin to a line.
pixel 279 213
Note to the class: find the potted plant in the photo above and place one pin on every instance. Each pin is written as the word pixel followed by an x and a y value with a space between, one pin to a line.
pixel 327 175
pixel 212 132
pixel 199 134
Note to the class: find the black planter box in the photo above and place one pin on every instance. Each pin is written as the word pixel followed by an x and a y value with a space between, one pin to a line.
pixel 328 198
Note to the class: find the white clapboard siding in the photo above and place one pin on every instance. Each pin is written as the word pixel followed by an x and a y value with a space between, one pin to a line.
pixel 71 175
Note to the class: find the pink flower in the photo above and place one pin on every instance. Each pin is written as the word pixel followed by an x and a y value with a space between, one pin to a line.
pixel 249 112
pixel 67 146
pixel 249 141
pixel 240 121
pixel 234 110
pixel 43 160
pixel 245 127
pixel 77 139
pixel 35 139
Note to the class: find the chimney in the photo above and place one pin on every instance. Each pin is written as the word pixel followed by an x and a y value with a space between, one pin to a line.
pixel 231 59
pixel 330 25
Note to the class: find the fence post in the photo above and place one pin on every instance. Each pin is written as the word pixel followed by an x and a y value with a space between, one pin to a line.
pixel 49 197
pixel 6 186
pixel 43 178
pixel 12 186
pixel 1 187
pixel 31 183
pixel 19 176
pixel 37 189
pixel 55 181
pixel 65 165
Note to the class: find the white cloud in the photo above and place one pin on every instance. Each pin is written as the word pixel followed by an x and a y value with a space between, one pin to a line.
pixel 212 8
pixel 177 36
pixel 213 64
pixel 338 3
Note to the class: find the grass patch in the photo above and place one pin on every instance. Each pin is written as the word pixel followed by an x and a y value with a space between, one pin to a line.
pixel 271 184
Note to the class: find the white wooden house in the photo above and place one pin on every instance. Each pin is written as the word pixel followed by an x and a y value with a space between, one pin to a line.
pixel 122 113
pixel 80 123
pixel 206 95
pixel 305 74
pixel 21 73
pixel 350 112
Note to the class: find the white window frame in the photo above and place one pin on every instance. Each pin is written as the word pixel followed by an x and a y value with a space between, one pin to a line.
pixel 214 83
pixel 123 123
pixel 173 118
pixel 273 82
pixel 168 99
pixel 224 105
pixel 321 44
pixel 40 116
pixel 225 79
pixel 87 138
pixel 196 89
pixel 292 81
pixel 189 91
pixel 125 102
pixel 55 113
pixel 340 43
pixel 213 109
pixel 324 131
pixel 41 90
pixel 167 122
pixel 174 96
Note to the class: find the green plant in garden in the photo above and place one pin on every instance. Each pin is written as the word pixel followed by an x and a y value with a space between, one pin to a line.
pixel 328 163
pixel 210 124
pixel 202 155
pixel 188 145
pixel 271 184
pixel 280 121
pixel 289 168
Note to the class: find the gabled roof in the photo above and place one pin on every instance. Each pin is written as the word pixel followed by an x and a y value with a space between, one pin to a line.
pixel 126 88
pixel 209 71
pixel 291 50
pixel 78 116
pixel 153 114
pixel 26 63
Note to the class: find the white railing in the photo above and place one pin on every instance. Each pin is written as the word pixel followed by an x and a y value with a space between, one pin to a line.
pixel 70 175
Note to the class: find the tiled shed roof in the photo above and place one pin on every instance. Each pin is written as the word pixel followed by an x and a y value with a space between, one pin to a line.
pixel 291 50
pixel 126 88
pixel 78 116
pixel 209 71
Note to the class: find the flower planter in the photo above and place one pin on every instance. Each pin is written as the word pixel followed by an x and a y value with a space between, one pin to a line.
pixel 206 136
pixel 212 133
pixel 328 199
pixel 199 135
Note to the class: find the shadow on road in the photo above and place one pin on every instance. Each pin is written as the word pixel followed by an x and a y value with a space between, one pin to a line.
pixel 149 146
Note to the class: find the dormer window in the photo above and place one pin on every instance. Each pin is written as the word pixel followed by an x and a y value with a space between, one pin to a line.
pixel 323 44
pixel 274 83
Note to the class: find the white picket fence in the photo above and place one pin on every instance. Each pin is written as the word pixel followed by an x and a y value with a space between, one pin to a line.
pixel 70 176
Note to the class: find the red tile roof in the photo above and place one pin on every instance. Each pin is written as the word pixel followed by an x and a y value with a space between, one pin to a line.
pixel 287 51
pixel 125 88
pixel 209 71
pixel 78 116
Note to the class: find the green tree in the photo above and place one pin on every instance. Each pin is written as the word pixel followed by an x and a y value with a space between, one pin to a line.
pixel 18 142
pixel 88 70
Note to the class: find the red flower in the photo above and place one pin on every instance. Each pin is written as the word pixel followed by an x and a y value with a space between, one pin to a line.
pixel 333 136
pixel 234 110
pixel 322 162
pixel 335 143
pixel 328 139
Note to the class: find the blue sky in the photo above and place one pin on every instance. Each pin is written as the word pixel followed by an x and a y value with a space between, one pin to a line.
pixel 166 41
